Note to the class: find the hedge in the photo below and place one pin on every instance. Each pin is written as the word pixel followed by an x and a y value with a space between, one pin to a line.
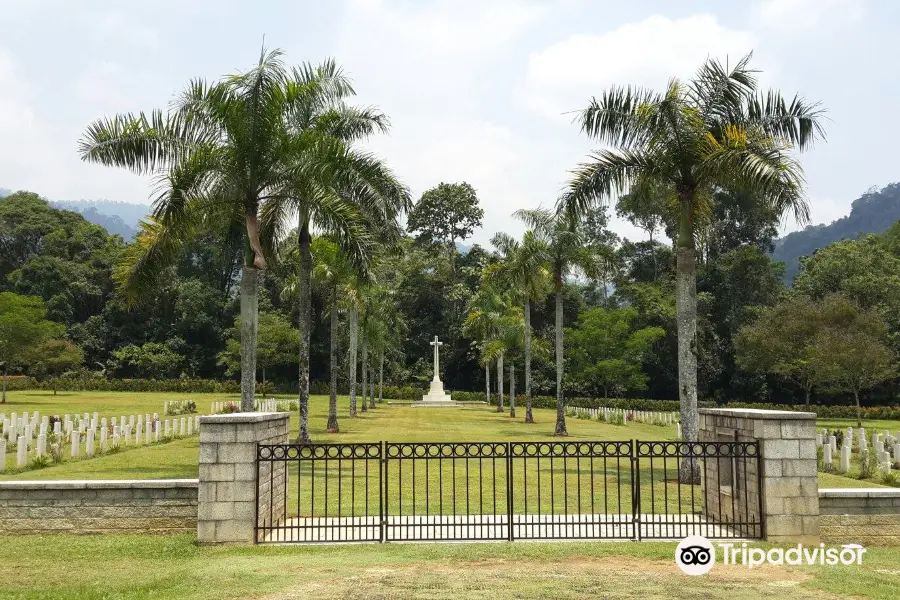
pixel 393 392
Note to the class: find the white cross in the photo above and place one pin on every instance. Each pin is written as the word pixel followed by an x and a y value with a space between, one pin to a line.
pixel 436 345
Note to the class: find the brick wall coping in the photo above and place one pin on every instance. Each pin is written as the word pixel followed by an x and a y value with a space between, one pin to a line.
pixel 755 413
pixel 859 492
pixel 99 484
pixel 244 417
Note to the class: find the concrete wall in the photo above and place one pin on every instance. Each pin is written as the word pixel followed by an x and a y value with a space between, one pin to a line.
pixel 790 485
pixel 227 495
pixel 155 506
pixel 867 516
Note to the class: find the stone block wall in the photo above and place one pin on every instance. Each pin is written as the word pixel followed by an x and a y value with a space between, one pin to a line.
pixel 129 506
pixel 227 496
pixel 867 516
pixel 790 499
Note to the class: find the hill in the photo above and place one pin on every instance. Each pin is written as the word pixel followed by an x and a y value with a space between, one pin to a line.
pixel 873 212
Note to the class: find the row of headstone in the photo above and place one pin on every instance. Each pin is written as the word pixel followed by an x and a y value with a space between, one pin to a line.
pixel 622 416
pixel 883 445
pixel 133 430
pixel 266 405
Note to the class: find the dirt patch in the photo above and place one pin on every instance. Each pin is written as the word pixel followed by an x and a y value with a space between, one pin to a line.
pixel 608 577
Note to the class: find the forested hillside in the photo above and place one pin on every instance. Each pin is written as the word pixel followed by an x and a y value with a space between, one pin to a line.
pixel 873 212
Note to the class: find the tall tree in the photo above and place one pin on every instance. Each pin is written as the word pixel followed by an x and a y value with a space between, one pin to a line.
pixel 445 214
pixel 359 198
pixel 713 132
pixel 332 273
pixel 23 326
pixel 567 252
pixel 220 153
pixel 526 274
pixel 52 358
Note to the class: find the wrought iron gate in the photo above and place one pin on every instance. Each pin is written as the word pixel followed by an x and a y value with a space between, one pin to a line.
pixel 383 492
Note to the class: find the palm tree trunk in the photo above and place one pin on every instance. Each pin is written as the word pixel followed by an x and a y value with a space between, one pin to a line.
pixel 529 417
pixel 560 400
pixel 512 390
pixel 487 382
pixel 365 370
pixel 304 239
pixel 372 384
pixel 249 298
pixel 354 333
pixel 5 372
pixel 500 382
pixel 858 411
pixel 332 356
pixel 686 317
pixel 381 377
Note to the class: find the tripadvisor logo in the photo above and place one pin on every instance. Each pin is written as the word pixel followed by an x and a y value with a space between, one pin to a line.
pixel 695 555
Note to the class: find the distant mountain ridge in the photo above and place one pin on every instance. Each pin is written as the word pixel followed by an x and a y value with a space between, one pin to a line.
pixel 116 217
pixel 873 212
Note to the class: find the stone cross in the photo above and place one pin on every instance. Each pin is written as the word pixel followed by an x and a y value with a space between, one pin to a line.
pixel 436 345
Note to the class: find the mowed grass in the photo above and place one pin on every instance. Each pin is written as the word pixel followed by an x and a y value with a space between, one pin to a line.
pixel 128 567
pixel 388 422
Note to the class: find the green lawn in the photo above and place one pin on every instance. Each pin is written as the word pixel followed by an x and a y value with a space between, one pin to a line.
pixel 389 422
pixel 172 567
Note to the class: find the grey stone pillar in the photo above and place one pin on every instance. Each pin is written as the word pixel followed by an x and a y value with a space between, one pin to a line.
pixel 228 488
pixel 790 484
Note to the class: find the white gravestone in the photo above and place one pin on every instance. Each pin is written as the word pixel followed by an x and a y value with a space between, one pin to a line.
pixel 845 459
pixel 76 442
pixel 827 457
pixel 89 443
pixel 21 452
pixel 436 391
pixel 2 455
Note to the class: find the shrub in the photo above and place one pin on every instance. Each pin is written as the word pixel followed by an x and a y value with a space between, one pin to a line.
pixel 868 464
pixel 230 407
pixel 39 462
pixel 180 407
pixel 55 447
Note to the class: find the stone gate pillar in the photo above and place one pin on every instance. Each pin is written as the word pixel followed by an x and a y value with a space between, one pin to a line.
pixel 227 493
pixel 788 465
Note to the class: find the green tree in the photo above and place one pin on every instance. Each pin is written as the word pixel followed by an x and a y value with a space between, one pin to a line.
pixel 352 197
pixel 850 352
pixel 331 272
pixel 52 358
pixel 23 325
pixel 779 341
pixel 646 206
pixel 567 252
pixel 221 152
pixel 276 344
pixel 151 360
pixel 446 213
pixel 525 273
pixel 713 132
pixel 608 351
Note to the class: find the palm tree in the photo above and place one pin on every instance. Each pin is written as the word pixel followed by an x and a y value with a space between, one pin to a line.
pixel 220 153
pixel 524 273
pixel 360 196
pixel 331 272
pixel 567 252
pixel 716 132
pixel 486 309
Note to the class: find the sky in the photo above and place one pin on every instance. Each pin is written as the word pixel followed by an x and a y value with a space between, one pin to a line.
pixel 479 91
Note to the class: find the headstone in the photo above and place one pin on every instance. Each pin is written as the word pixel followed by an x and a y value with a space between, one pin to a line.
pixel 832 444
pixel 75 444
pixel 167 428
pixel 137 433
pixel 845 459
pixel 21 452
pixel 827 454
pixel 41 449
pixel 863 443
pixel 89 443
pixel 57 428
pixel 678 431
pixel 181 430
pixel 156 428
pixel 190 426
pixel 103 445
pixel 127 434
pixel 819 440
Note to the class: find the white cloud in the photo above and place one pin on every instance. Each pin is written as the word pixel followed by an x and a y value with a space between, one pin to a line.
pixel 117 28
pixel 445 27
pixel 792 16
pixel 564 76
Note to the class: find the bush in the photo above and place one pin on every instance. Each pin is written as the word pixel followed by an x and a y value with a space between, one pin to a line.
pixel 180 407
